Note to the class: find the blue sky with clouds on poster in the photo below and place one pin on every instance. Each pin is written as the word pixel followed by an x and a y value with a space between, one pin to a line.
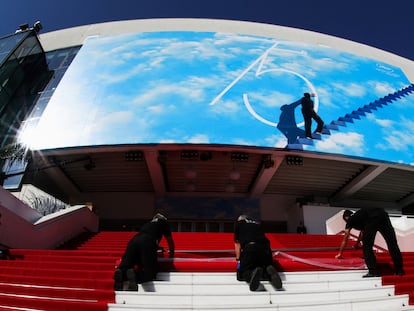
pixel 188 87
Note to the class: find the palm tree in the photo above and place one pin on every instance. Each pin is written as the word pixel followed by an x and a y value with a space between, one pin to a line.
pixel 13 152
pixel 10 154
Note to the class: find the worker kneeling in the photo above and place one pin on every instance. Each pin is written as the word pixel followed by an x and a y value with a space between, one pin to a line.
pixel 254 254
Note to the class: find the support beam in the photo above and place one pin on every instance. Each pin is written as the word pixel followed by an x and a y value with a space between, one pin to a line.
pixel 155 171
pixel 65 184
pixel 264 177
pixel 359 182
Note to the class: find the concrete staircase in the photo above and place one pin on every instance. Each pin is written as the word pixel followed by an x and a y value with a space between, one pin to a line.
pixel 327 290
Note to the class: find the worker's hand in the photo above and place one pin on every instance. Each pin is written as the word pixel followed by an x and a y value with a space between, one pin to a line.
pixel 339 256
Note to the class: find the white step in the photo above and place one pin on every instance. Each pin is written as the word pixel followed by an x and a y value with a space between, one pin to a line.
pixel 319 291
pixel 234 286
pixel 262 297
pixel 393 303
pixel 170 288
pixel 206 277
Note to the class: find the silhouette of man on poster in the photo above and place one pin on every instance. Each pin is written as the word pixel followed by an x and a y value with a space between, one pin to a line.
pixel 287 123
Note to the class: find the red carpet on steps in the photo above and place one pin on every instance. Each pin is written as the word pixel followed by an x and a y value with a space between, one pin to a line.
pixel 80 278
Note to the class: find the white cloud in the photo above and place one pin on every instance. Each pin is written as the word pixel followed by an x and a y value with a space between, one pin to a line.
pixel 344 143
pixel 272 99
pixel 398 140
pixel 227 107
pixel 167 141
pixel 384 122
pixel 106 120
pixel 274 140
pixel 406 102
pixel 326 97
pixel 314 65
pixel 191 50
pixel 160 89
pixel 277 141
pixel 199 139
pixel 351 89
pixel 161 109
pixel 380 88
pixel 111 76
pixel 242 141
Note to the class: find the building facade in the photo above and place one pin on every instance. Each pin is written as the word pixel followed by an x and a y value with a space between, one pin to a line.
pixel 202 119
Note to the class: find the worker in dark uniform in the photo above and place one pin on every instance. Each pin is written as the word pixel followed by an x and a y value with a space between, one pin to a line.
pixel 254 255
pixel 141 251
pixel 370 221
pixel 301 228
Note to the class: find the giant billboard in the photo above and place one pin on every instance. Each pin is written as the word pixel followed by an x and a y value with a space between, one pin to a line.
pixel 220 88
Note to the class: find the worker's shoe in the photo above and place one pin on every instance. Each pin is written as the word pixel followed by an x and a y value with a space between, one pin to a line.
pixel 255 279
pixel 132 281
pixel 274 277
pixel 399 272
pixel 371 274
pixel 118 282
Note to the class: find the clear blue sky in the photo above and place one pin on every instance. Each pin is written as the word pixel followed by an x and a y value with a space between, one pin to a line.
pixel 383 24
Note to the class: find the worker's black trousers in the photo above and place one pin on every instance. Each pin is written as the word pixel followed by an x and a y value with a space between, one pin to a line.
pixel 253 256
pixel 382 224
pixel 141 253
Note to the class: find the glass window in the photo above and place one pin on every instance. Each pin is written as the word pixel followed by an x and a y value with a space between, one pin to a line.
pixel 7 44
pixel 15 171
pixel 55 60
pixel 28 79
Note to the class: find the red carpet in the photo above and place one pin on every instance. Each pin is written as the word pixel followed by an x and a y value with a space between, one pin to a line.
pixel 81 278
